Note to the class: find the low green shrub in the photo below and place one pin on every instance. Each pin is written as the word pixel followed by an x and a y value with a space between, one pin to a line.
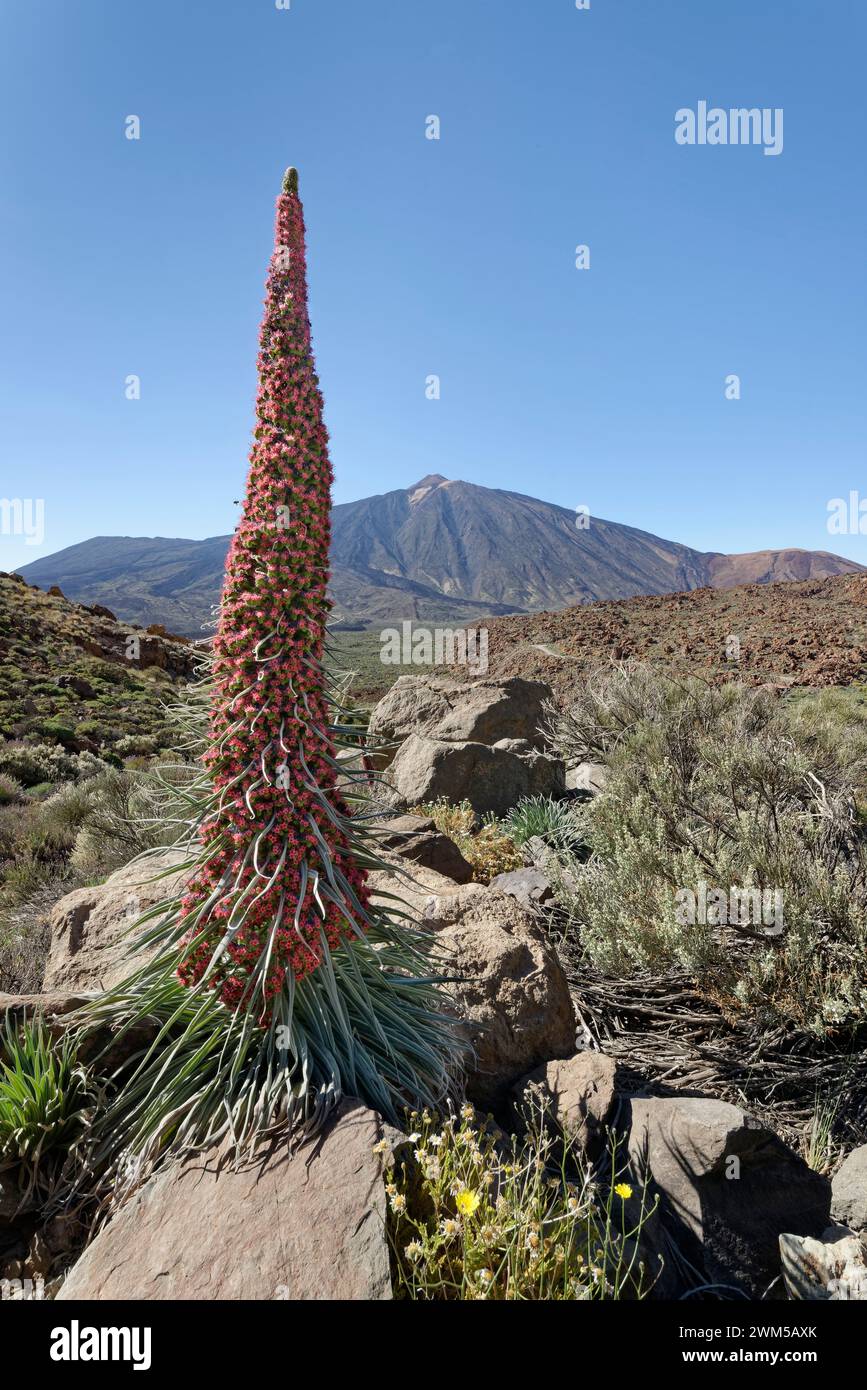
pixel 31 764
pixel 73 834
pixel 128 811
pixel 136 745
pixel 95 729
pixel 21 878
pixel 11 792
pixel 25 936
pixel 720 794
pixel 55 731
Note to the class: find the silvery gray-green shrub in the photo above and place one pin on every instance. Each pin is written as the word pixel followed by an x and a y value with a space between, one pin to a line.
pixel 730 787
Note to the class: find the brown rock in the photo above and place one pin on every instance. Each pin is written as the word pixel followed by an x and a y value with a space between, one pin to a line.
pixel 414 886
pixel 308 1224
pixel 57 1009
pixel 510 987
pixel 78 685
pixel 50 1006
pixel 92 947
pixel 579 1095
pixel 417 839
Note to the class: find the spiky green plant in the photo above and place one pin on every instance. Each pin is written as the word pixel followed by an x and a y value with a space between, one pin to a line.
pixel 277 985
pixel 555 822
pixel 43 1100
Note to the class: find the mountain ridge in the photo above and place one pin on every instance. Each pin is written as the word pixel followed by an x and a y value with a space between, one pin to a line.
pixel 440 550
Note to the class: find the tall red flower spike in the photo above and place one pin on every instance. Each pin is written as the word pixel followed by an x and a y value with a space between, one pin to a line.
pixel 277 986
pixel 276 877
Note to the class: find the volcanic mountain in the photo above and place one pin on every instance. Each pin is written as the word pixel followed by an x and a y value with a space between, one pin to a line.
pixel 441 550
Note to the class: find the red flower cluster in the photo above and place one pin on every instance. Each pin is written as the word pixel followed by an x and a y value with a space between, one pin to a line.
pixel 275 878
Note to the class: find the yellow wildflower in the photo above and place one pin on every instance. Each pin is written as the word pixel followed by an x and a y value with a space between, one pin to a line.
pixel 467 1202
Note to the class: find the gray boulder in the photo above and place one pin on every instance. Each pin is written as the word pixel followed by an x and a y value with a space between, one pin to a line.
pixel 480 711
pixel 849 1190
pixel 539 856
pixel 491 779
pixel 530 887
pixel 729 1188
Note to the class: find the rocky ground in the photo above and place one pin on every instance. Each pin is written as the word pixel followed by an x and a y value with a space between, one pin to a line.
pixel 732 1205
pixel 800 634
pixel 312 1225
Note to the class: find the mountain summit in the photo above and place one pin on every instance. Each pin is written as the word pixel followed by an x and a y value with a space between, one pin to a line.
pixel 430 480
pixel 441 550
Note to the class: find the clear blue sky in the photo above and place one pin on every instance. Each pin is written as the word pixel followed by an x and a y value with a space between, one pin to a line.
pixel 455 257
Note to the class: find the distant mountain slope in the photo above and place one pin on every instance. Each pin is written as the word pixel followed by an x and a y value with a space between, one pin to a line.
pixel 772 566
pixel 503 548
pixel 441 550
pixel 143 579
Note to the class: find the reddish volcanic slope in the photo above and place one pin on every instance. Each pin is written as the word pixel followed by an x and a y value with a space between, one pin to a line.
pixel 775 566
pixel 807 633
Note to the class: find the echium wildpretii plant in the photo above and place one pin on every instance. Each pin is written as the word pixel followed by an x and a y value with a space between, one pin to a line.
pixel 279 886
pixel 277 985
